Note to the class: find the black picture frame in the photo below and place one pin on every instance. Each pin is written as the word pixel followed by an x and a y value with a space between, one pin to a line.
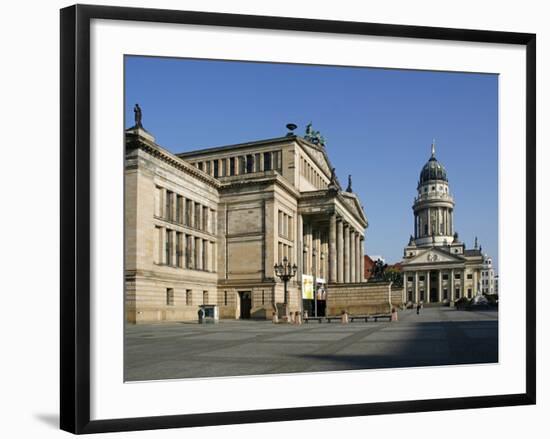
pixel 75 218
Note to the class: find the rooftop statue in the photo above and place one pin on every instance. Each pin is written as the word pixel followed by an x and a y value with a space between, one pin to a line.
pixel 348 189
pixel 314 136
pixel 137 116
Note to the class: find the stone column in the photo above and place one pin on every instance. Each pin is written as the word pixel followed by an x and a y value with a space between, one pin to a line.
pixel 198 243
pixel 452 296
pixel 213 256
pixel 340 249
pixel 332 250
pixel 162 243
pixel 416 292
pixel 352 255
pixel 464 289
pixel 440 286
pixel 362 259
pixel 174 247
pixel 193 261
pixel 299 245
pixel 192 213
pixel 427 287
pixel 310 249
pixel 174 206
pixel 405 285
pixel 346 254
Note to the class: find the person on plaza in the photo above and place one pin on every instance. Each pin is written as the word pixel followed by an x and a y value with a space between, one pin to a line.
pixel 201 315
pixel 418 306
pixel 345 317
pixel 291 318
pixel 275 318
pixel 394 314
pixel 298 319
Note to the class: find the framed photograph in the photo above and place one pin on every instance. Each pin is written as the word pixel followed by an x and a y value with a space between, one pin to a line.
pixel 276 218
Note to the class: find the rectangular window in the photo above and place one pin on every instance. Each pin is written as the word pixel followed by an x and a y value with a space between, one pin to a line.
pixel 263 297
pixel 216 169
pixel 204 265
pixel 267 161
pixel 169 296
pixel 249 163
pixel 445 293
pixel 199 165
pixel 421 278
pixel 469 276
pixel 197 222
pixel 179 209
pixel 276 161
pixel 188 297
pixel 422 295
pixel 457 293
pixel 257 163
pixel 469 292
pixel 242 165
pixel 410 278
pixel 223 170
pixel 179 249
pixel 169 243
pixel 168 206
pixel 457 276
pixel 225 298
pixel 189 252
pixel 187 217
pixel 232 166
pixel 445 277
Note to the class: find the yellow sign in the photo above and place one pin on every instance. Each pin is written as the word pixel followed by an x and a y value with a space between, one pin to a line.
pixel 307 286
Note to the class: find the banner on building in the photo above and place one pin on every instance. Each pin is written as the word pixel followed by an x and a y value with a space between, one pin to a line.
pixel 307 286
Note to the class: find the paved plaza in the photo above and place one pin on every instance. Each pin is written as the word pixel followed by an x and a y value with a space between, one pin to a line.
pixel 438 336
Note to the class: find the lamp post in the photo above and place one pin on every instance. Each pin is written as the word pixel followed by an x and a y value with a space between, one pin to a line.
pixel 314 254
pixel 285 272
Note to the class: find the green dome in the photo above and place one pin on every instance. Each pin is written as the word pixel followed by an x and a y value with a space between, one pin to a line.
pixel 433 170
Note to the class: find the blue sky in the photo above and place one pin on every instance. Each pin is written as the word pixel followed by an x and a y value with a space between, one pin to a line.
pixel 378 123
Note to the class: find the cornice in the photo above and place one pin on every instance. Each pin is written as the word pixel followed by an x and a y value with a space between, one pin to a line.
pixel 151 148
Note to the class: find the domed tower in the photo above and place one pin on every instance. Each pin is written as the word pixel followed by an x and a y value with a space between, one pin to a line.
pixel 433 206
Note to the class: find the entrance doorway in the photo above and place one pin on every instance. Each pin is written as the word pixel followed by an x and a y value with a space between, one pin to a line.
pixel 245 302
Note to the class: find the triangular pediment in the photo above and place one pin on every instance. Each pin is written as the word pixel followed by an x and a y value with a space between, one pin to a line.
pixel 318 154
pixel 352 203
pixel 434 255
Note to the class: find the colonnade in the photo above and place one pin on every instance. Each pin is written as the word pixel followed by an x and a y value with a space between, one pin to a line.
pixel 453 280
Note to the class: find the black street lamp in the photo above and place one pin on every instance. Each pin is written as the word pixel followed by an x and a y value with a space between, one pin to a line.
pixel 285 271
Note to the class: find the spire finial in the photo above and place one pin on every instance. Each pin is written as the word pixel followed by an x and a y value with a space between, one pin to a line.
pixel 433 147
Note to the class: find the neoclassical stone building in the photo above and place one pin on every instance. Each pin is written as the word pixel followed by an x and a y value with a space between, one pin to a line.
pixel 207 226
pixel 436 265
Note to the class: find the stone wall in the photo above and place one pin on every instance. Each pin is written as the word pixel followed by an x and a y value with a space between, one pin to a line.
pixel 359 298
pixel 396 295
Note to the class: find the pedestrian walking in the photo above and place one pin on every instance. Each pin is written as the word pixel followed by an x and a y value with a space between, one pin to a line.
pixel 394 314
pixel 418 306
